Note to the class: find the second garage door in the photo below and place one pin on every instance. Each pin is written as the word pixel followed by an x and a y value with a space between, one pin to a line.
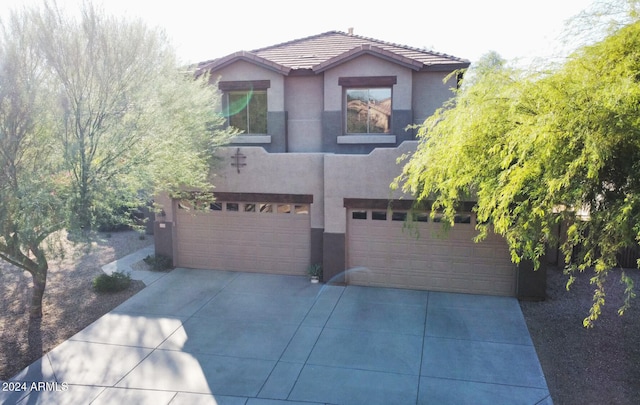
pixel 244 236
pixel 382 250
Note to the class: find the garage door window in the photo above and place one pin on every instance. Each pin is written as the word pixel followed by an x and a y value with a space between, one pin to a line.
pixel 379 215
pixel 421 217
pixel 302 209
pixel 263 208
pixel 359 215
pixel 462 219
pixel 399 216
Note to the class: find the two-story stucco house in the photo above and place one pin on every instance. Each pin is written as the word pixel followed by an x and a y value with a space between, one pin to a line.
pixel 324 120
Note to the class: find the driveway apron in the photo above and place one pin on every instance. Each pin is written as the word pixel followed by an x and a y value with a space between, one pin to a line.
pixel 219 337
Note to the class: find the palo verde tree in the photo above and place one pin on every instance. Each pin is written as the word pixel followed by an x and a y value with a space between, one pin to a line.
pixel 31 176
pixel 95 115
pixel 535 149
pixel 123 102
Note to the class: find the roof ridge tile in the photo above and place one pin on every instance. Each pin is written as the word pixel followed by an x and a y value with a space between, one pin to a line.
pixel 411 48
pixel 294 41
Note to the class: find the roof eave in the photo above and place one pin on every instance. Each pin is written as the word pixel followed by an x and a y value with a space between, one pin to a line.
pixel 445 67
pixel 302 72
pixel 367 50
pixel 249 57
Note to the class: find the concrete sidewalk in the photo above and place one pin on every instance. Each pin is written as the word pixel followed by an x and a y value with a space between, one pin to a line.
pixel 218 337
pixel 124 265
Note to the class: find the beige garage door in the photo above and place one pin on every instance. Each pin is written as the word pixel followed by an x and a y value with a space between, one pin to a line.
pixel 241 236
pixel 383 251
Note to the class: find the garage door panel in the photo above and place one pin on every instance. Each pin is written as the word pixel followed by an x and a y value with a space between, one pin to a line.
pixel 243 241
pixel 418 264
pixel 483 252
pixel 496 270
pixel 436 260
pixel 301 253
pixel 400 263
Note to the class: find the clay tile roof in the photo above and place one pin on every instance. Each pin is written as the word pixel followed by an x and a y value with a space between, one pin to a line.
pixel 243 55
pixel 320 52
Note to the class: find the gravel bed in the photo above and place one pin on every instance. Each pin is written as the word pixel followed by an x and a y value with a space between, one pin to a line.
pixel 70 303
pixel 582 366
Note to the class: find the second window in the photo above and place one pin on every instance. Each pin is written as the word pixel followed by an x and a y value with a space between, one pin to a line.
pixel 368 110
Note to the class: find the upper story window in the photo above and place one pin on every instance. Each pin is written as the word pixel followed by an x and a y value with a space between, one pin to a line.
pixel 247 111
pixel 368 110
pixel 245 105
pixel 367 104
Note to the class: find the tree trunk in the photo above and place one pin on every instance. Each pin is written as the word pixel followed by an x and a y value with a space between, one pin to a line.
pixel 39 284
pixel 83 207
pixel 34 337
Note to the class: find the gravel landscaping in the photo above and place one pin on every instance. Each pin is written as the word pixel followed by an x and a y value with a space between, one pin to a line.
pixel 582 366
pixel 69 304
pixel 586 366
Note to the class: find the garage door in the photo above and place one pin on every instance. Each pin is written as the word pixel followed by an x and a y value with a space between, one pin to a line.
pixel 384 250
pixel 244 236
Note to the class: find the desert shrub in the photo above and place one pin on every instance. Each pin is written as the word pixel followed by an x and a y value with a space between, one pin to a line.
pixel 115 282
pixel 159 262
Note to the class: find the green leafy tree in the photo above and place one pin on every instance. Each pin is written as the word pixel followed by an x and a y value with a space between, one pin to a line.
pixel 32 179
pixel 96 115
pixel 538 149
pixel 123 102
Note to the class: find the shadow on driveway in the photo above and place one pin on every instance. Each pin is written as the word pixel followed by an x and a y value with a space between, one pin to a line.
pixel 218 337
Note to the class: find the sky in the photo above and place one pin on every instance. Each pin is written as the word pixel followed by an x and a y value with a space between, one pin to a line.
pixel 207 29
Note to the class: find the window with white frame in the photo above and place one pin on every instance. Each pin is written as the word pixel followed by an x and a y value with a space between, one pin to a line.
pixel 245 105
pixel 247 111
pixel 368 110
pixel 368 104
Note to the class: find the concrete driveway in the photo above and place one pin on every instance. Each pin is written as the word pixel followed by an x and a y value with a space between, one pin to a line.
pixel 217 337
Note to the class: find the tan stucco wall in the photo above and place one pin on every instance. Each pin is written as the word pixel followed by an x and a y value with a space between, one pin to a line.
pixel 303 101
pixel 430 93
pixel 163 202
pixel 360 176
pixel 367 65
pixel 242 70
pixel 280 173
pixel 329 178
